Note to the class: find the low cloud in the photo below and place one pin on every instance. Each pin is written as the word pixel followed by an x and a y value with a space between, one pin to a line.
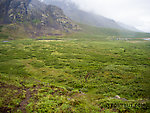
pixel 132 12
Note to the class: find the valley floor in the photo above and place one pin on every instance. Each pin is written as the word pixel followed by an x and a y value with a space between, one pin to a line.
pixel 74 75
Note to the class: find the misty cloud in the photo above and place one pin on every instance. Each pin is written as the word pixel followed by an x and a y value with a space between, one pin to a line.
pixel 132 12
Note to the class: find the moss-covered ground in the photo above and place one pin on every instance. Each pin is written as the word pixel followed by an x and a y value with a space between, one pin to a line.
pixel 79 73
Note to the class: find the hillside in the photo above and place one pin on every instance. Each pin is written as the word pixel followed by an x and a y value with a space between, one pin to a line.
pixel 34 17
pixel 111 32
pixel 89 18
pixel 129 27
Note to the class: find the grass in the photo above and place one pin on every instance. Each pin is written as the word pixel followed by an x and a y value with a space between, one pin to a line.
pixel 68 75
pixel 80 72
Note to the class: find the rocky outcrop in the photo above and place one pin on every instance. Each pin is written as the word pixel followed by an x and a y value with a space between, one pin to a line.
pixel 63 20
pixel 37 18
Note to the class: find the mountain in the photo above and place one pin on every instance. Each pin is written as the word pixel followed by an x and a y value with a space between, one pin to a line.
pixel 35 17
pixel 72 11
pixel 128 27
pixel 78 15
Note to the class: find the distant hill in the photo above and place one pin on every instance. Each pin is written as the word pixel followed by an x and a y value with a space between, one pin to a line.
pixel 128 27
pixel 34 17
pixel 103 33
pixel 72 11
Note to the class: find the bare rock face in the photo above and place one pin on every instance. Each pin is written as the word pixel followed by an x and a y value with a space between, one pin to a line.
pixel 37 18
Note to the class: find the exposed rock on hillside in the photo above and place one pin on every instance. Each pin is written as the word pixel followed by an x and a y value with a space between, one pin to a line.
pixel 35 17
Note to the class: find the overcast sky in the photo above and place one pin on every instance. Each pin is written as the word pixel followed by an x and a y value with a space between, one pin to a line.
pixel 132 12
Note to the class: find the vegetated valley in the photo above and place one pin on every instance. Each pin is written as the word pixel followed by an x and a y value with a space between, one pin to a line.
pixel 74 73
pixel 91 70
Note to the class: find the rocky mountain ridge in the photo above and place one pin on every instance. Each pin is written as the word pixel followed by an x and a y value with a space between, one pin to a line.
pixel 36 17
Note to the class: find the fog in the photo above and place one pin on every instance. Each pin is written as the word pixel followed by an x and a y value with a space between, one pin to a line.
pixel 131 12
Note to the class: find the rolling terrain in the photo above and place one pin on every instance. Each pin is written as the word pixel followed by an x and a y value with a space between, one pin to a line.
pixel 75 68
pixel 74 73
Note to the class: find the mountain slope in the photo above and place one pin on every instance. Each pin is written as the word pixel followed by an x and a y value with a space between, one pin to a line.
pixel 36 17
pixel 72 11
pixel 128 27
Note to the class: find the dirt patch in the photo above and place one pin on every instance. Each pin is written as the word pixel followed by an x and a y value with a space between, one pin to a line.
pixel 24 102
pixel 9 92
pixel 12 95
pixel 28 95
pixel 5 110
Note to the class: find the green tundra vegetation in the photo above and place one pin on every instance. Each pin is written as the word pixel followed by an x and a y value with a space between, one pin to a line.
pixel 76 73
